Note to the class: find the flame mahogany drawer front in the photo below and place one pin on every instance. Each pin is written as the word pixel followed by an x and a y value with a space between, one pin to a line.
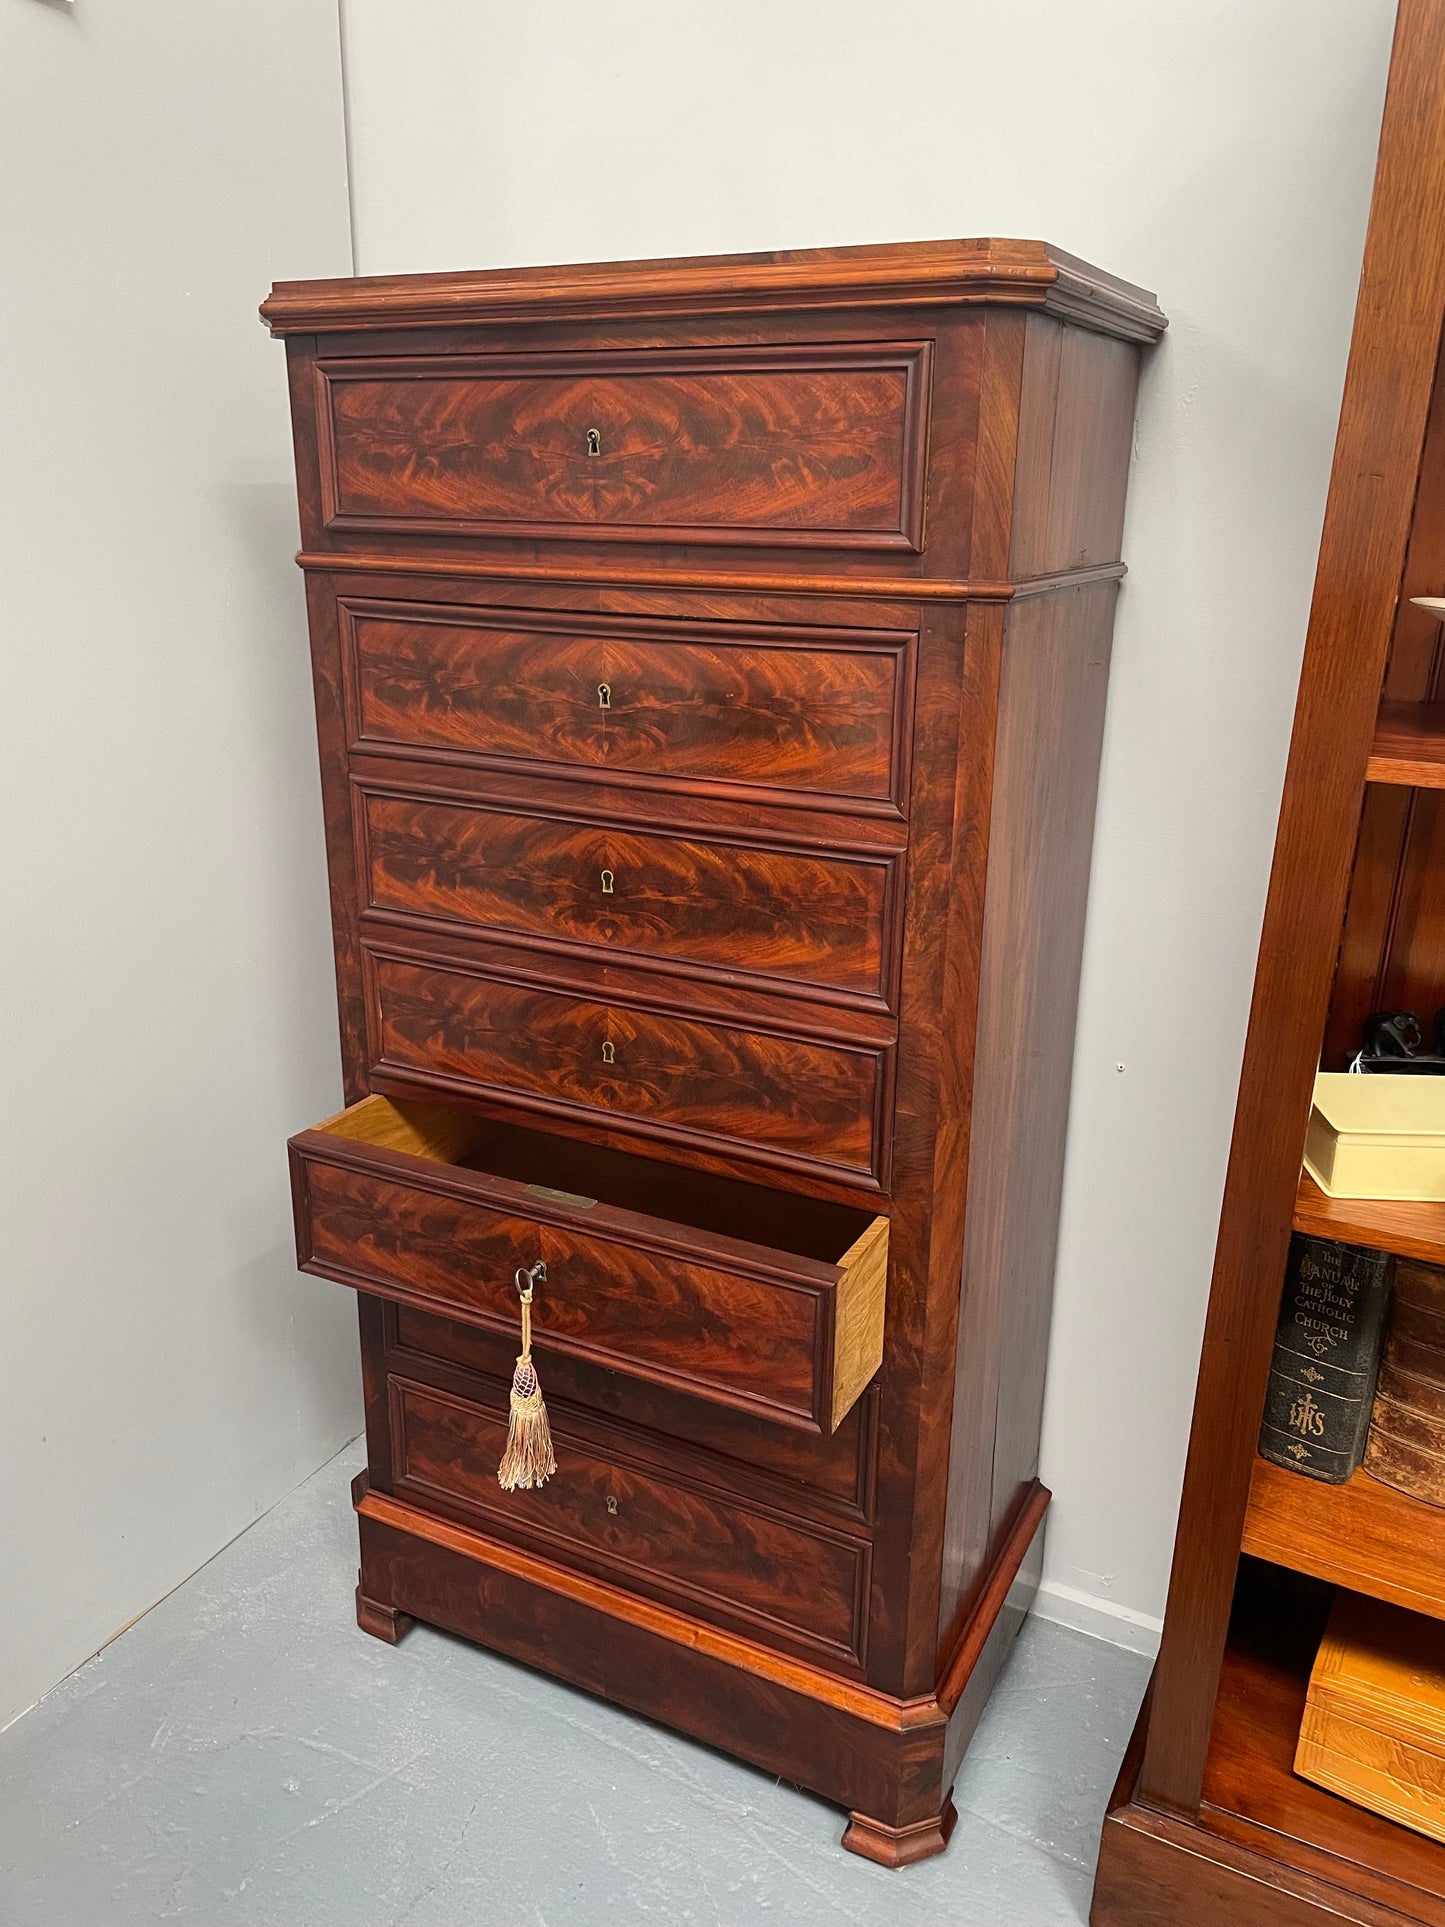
pixel 769 1304
pixel 811 1473
pixel 777 708
pixel 821 446
pixel 805 919
pixel 764 1096
pixel 651 1528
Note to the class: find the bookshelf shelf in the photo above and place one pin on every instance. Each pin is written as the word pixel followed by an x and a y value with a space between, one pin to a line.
pixel 1410 1230
pixel 1363 1535
pixel 1252 1797
pixel 1409 746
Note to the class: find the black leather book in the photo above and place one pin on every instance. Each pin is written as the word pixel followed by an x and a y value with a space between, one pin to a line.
pixel 1326 1356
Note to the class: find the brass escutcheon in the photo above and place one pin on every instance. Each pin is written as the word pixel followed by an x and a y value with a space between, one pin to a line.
pixel 594 441
pixel 609 1052
pixel 604 695
pixel 612 1505
pixel 607 882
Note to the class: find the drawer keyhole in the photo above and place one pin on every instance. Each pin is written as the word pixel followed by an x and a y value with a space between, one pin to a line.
pixel 609 1052
pixel 604 695
pixel 594 441
pixel 612 1505
pixel 607 882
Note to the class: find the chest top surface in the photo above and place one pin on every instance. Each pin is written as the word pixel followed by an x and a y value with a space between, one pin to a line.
pixel 893 274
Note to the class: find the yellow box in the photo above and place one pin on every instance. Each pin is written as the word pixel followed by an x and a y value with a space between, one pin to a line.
pixel 1377 1137
pixel 1374 1722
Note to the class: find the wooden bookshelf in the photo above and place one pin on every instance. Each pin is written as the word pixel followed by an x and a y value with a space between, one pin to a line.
pixel 1410 1230
pixel 1409 746
pixel 1363 1535
pixel 1209 1826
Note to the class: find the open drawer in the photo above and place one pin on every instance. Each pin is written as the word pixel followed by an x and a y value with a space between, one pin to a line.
pixel 748 1297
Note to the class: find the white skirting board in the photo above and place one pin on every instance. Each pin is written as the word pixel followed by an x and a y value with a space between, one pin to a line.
pixel 1101 1618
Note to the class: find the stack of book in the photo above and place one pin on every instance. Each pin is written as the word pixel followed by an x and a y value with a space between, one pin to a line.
pixel 1406 1443
pixel 1358 1381
pixel 1358 1374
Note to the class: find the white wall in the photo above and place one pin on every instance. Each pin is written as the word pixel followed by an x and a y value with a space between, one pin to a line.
pixel 1218 151
pixel 165 984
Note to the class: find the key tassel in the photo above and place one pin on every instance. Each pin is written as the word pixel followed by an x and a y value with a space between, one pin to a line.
pixel 528 1459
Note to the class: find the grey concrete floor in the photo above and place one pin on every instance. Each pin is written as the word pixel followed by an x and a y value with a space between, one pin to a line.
pixel 244 1756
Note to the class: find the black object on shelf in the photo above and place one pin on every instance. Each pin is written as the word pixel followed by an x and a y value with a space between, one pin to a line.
pixel 1326 1355
pixel 1392 1040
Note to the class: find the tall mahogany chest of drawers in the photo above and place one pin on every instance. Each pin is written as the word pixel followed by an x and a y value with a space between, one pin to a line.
pixel 710 663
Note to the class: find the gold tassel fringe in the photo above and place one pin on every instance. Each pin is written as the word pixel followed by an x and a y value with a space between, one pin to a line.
pixel 528 1459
